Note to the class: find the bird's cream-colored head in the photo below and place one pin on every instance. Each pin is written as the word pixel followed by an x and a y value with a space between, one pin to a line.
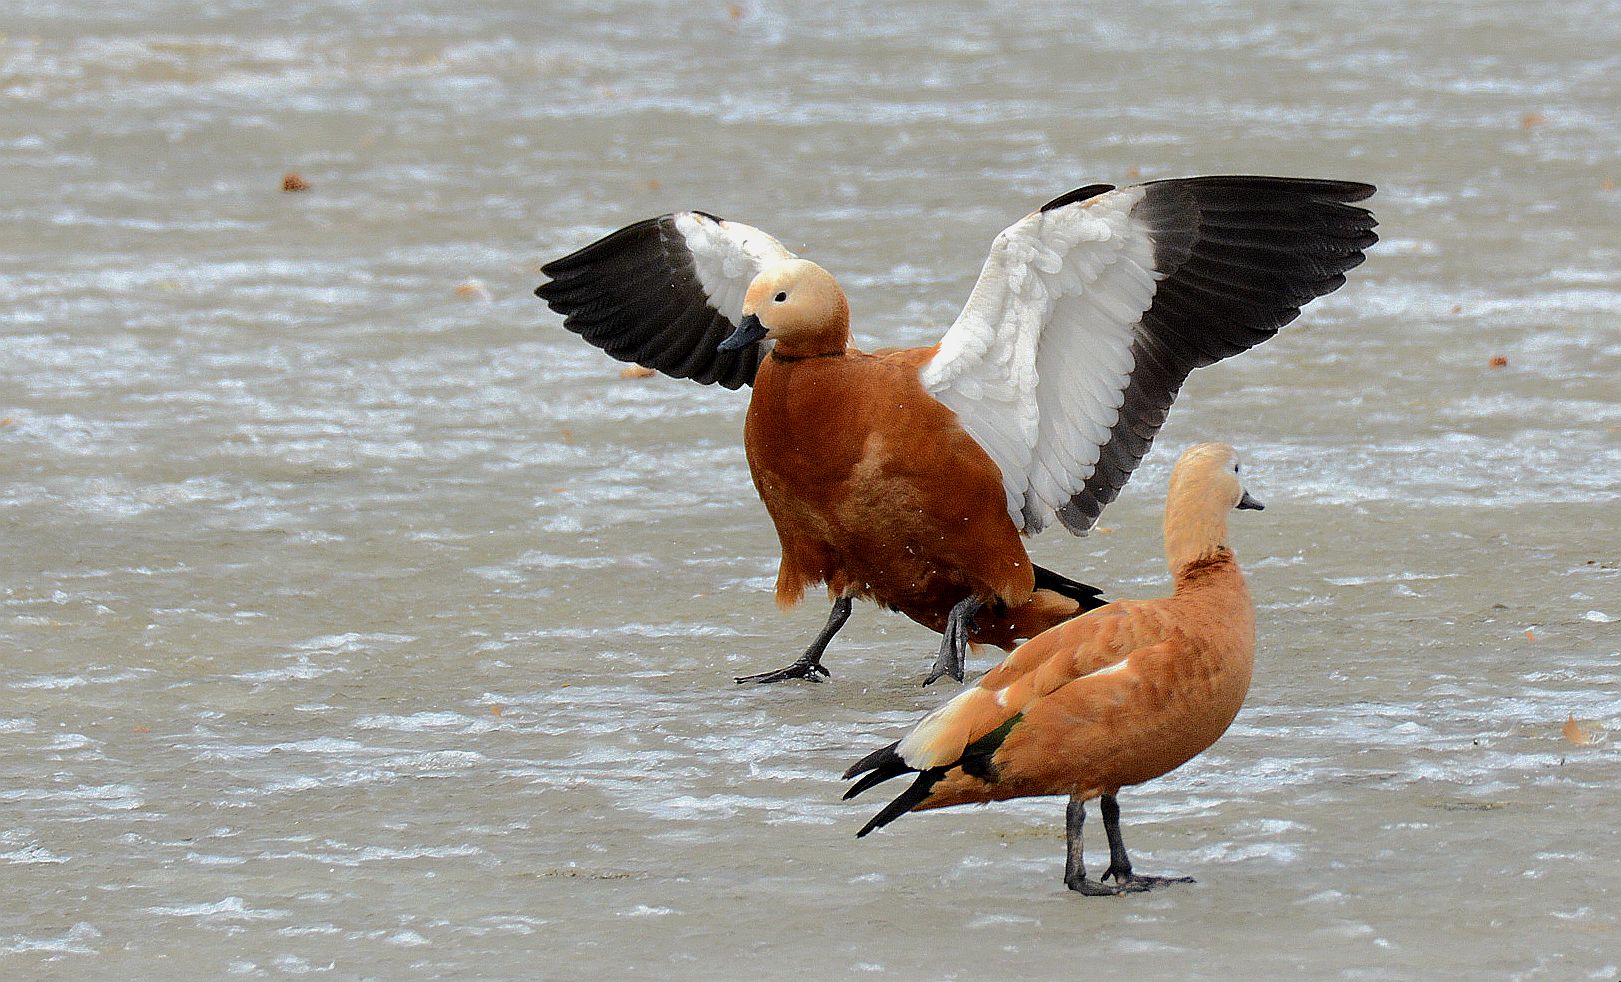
pixel 1205 486
pixel 798 305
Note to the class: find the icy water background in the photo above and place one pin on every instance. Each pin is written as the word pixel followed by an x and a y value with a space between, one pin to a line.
pixel 356 619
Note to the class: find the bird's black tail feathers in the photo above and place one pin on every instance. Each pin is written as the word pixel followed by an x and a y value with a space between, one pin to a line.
pixel 907 800
pixel 883 757
pixel 1089 597
pixel 884 763
pixel 880 766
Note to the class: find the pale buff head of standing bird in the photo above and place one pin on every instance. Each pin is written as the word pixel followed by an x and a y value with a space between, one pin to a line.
pixel 1121 695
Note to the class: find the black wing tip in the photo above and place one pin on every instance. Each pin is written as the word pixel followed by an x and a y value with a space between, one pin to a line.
pixel 1079 194
pixel 879 766
pixel 1089 597
pixel 1353 190
pixel 612 242
pixel 876 759
pixel 1331 188
pixel 905 801
pixel 877 777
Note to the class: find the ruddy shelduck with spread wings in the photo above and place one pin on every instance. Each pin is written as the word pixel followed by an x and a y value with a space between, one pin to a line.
pixel 1118 696
pixel 907 477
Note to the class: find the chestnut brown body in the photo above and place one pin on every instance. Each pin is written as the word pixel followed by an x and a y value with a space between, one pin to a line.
pixel 878 492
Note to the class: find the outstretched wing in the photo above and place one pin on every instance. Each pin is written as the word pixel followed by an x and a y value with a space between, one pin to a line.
pixel 1090 314
pixel 665 292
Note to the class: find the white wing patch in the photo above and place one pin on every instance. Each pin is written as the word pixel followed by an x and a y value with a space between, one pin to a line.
pixel 1110 669
pixel 919 748
pixel 926 745
pixel 727 257
pixel 1036 365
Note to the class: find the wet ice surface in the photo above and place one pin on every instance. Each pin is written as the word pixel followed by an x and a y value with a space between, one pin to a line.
pixel 354 626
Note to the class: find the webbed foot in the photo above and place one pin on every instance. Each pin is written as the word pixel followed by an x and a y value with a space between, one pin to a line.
pixel 953 657
pixel 809 665
pixel 805 668
pixel 1086 886
pixel 1138 883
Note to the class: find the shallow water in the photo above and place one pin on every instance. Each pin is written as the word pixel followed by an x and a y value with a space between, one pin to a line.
pixel 354 624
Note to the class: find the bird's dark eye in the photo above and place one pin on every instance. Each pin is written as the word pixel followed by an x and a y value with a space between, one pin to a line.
pixel 779 298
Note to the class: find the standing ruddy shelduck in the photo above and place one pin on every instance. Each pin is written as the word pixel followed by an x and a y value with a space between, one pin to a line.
pixel 1118 696
pixel 906 477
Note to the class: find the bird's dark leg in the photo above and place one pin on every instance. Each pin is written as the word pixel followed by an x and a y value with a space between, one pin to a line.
pixel 954 640
pixel 809 666
pixel 1074 866
pixel 1125 880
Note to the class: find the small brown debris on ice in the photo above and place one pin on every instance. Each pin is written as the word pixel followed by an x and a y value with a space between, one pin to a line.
pixel 1582 734
pixel 1499 361
pixel 291 182
pixel 1532 119
pixel 472 290
pixel 636 371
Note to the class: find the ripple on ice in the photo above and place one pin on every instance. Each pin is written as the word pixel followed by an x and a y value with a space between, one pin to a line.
pixel 32 854
pixel 340 854
pixel 427 722
pixel 351 643
pixel 74 942
pixel 301 670
pixel 1001 920
pixel 107 797
pixel 229 909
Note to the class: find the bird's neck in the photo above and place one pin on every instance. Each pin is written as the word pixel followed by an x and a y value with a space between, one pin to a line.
pixel 1218 569
pixel 1195 532
pixel 828 335
pixel 780 355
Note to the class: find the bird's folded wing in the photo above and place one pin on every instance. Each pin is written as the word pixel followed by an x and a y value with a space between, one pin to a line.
pixel 1090 313
pixel 665 292
pixel 1050 661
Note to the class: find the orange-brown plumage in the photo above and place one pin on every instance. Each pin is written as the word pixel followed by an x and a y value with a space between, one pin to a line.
pixel 875 489
pixel 907 476
pixel 873 485
pixel 1121 695
pixel 1188 662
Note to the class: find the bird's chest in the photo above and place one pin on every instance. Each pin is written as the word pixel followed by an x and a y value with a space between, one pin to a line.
pixel 825 454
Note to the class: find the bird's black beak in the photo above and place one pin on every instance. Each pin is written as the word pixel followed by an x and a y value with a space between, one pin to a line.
pixel 748 332
pixel 1248 503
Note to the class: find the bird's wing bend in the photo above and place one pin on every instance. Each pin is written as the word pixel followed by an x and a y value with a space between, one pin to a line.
pixel 665 292
pixel 1090 313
